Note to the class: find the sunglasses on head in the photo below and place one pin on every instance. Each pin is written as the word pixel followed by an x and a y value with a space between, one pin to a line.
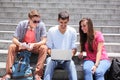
pixel 36 21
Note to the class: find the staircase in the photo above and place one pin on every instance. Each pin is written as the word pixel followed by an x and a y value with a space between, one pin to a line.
pixel 104 13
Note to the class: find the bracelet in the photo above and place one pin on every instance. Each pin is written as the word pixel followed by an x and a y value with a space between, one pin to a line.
pixel 96 66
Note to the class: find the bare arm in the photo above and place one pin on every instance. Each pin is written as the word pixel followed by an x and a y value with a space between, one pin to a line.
pixel 49 51
pixel 98 56
pixel 74 51
pixel 99 50
pixel 43 41
pixel 16 41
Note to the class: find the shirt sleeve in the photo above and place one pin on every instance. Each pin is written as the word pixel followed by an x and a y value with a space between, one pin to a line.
pixel 17 31
pixel 43 31
pixel 74 39
pixel 49 39
pixel 100 37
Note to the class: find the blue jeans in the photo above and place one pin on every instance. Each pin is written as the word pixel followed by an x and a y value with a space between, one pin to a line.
pixel 100 71
pixel 69 66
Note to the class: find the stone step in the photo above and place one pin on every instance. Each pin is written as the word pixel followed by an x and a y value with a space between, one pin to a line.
pixel 102 12
pixel 105 12
pixel 97 22
pixel 3 65
pixel 104 29
pixel 7 26
pixel 91 14
pixel 41 5
pixel 110 47
pixel 2 68
pixel 12 26
pixel 8 35
pixel 3 55
pixel 114 38
pixel 53 21
pixel 58 72
pixel 50 18
pixel 5 44
pixel 74 12
pixel 67 1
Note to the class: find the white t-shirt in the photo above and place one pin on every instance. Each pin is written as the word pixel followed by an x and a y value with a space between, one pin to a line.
pixel 57 40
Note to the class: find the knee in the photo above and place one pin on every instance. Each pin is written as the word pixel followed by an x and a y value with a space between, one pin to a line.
pixel 99 73
pixel 70 64
pixel 12 50
pixel 48 60
pixel 43 47
pixel 50 63
pixel 87 70
pixel 12 46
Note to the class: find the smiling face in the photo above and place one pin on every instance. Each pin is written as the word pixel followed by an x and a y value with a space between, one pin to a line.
pixel 63 19
pixel 63 23
pixel 84 26
pixel 87 32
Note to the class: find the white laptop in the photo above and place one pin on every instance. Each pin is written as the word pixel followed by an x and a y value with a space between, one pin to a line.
pixel 58 54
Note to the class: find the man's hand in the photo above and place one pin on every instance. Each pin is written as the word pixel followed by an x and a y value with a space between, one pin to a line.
pixel 31 45
pixel 22 46
pixel 26 46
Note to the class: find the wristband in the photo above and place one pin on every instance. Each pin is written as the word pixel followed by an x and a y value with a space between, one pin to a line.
pixel 96 66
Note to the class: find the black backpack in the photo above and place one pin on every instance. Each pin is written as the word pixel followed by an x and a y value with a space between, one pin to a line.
pixel 21 69
pixel 113 72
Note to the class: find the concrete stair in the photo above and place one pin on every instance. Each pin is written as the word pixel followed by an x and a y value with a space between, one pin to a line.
pixel 111 34
pixel 102 12
pixel 110 47
pixel 105 13
pixel 7 35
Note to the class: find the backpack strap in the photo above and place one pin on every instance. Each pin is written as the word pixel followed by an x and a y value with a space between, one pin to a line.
pixel 19 65
pixel 25 76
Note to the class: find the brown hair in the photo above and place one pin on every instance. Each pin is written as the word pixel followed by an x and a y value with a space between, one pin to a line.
pixel 33 13
pixel 86 37
pixel 63 15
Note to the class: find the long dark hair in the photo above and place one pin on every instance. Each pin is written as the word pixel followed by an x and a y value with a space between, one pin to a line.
pixel 86 37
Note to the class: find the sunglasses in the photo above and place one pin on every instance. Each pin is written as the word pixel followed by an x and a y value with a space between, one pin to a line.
pixel 36 21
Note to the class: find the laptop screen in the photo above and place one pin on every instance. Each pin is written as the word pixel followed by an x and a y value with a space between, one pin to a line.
pixel 58 54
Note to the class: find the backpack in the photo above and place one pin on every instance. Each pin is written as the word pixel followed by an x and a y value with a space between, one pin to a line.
pixel 113 72
pixel 21 69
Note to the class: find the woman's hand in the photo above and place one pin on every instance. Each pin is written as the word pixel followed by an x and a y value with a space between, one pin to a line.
pixel 80 55
pixel 94 69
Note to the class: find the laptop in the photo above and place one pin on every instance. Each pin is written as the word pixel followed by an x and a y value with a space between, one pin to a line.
pixel 58 54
